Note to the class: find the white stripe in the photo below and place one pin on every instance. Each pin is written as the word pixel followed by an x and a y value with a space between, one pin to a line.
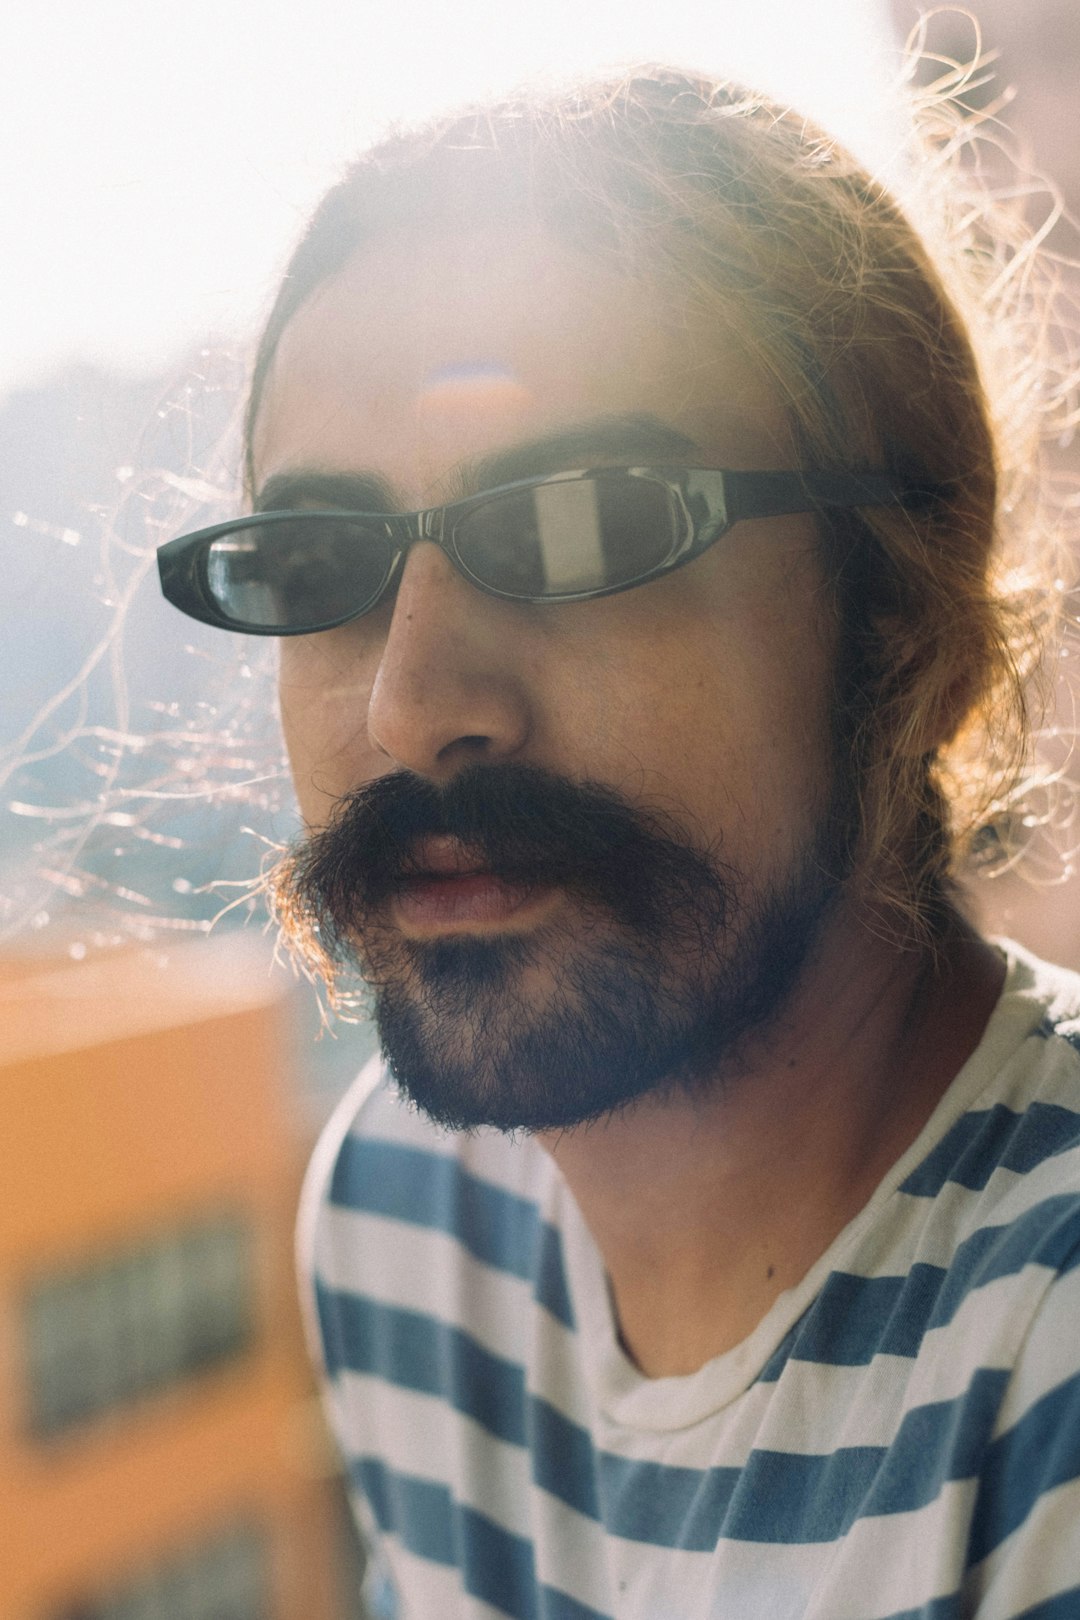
pixel 1057 1174
pixel 985 1332
pixel 735 1581
pixel 933 1228
pixel 884 1564
pixel 1049 1355
pixel 1022 1078
pixel 421 1436
pixel 427 1589
pixel 313 1195
pixel 419 1268
pixel 426 1271
pixel 823 1406
pixel 520 1168
pixel 1036 1562
pixel 817 1407
pixel 898 1561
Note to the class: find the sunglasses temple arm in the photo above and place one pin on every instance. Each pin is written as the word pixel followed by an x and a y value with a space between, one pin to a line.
pixel 776 494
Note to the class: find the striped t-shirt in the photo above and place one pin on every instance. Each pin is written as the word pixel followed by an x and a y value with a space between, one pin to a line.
pixel 899 1437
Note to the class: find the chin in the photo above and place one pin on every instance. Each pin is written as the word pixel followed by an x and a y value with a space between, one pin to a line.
pixel 542 1033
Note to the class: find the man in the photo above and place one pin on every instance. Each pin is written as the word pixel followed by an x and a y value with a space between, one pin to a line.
pixel 629 518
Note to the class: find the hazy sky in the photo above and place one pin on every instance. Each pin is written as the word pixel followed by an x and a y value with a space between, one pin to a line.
pixel 157 158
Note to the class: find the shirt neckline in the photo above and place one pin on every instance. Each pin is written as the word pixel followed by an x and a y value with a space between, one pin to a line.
pixel 631 1400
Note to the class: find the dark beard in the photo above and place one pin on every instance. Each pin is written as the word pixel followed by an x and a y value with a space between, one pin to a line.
pixel 649 983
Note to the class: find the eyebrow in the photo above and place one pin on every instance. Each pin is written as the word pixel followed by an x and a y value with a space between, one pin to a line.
pixel 618 438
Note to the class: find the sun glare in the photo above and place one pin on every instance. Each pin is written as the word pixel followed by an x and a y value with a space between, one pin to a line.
pixel 170 166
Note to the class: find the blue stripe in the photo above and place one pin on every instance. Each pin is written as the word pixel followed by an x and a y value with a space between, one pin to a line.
pixel 795 1499
pixel 938 1443
pixel 556 1605
pixel 939 1608
pixel 432 1190
pixel 1065 1606
pixel 564 1460
pixel 982 1142
pixel 418 1511
pixel 1035 1455
pixel 419 1353
pixel 854 1318
pixel 775 1497
pixel 496 1565
pixel 780 1357
pixel 664 1506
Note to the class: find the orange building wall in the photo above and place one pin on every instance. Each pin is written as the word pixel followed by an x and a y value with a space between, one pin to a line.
pixel 139 1093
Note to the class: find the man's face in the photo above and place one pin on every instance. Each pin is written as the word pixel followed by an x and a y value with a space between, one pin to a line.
pixel 697 706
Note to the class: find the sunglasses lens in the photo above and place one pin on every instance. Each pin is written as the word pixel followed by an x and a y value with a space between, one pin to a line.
pixel 568 538
pixel 298 573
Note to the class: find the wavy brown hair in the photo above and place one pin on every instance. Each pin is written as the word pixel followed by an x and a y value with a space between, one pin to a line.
pixel 746 212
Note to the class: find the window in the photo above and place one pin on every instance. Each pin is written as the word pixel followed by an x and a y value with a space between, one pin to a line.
pixel 224 1579
pixel 135 1322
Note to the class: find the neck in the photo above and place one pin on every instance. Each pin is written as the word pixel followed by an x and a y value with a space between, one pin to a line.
pixel 706 1207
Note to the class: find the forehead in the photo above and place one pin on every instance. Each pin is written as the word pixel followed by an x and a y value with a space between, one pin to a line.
pixel 427 350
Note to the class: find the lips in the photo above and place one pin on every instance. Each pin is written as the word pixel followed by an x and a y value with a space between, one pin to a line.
pixel 442 856
pixel 448 888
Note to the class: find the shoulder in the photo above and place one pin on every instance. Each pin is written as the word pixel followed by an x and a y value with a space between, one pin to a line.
pixel 990 1239
pixel 1057 992
pixel 1014 1110
pixel 951 1261
pixel 381 1154
pixel 1000 1187
pixel 1023 1550
pixel 1051 991
pixel 396 1210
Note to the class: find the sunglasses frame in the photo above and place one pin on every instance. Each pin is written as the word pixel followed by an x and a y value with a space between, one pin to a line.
pixel 709 501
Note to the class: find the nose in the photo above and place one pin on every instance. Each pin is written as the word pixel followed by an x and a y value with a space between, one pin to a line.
pixel 449 688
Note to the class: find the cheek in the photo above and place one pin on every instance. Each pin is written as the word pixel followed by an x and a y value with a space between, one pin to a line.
pixel 323 687
pixel 718 710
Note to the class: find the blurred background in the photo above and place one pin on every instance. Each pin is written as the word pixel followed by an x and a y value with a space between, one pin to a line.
pixel 160 1450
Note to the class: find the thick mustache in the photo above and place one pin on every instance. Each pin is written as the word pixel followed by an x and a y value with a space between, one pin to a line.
pixel 519 822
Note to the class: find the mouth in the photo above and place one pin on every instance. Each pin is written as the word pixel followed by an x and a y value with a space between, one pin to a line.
pixel 449 889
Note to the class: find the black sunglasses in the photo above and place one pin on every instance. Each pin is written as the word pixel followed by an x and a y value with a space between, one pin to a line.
pixel 565 538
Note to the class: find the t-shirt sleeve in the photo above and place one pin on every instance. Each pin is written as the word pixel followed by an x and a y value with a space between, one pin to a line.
pixel 1024 1558
pixel 312 1237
